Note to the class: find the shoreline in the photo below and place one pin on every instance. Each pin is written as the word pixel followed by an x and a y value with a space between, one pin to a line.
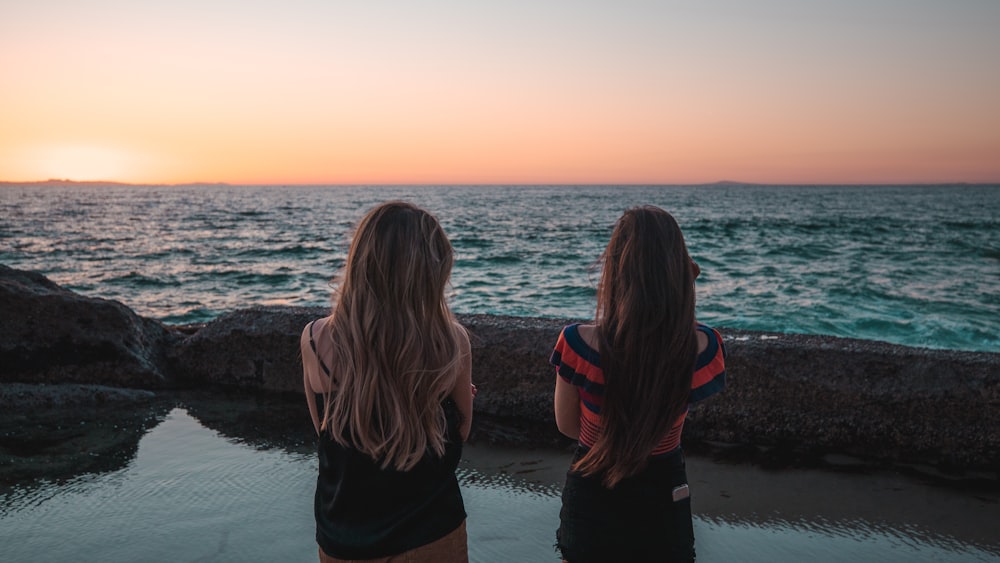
pixel 791 400
pixel 739 508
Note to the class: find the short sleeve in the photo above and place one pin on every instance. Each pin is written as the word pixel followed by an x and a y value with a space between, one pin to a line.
pixel 576 363
pixel 557 353
pixel 562 358
pixel 710 368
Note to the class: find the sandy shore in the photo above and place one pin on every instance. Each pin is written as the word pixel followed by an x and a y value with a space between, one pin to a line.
pixel 851 500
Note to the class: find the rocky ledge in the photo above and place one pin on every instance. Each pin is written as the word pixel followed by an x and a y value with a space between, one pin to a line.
pixel 789 397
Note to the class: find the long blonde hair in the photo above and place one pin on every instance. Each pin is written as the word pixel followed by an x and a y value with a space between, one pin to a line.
pixel 395 347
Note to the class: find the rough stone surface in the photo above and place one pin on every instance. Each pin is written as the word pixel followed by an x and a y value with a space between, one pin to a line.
pixel 510 367
pixel 31 397
pixel 815 394
pixel 255 348
pixel 49 334
pixel 61 430
pixel 795 396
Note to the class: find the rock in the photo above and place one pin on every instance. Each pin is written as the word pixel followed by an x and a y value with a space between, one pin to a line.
pixel 255 348
pixel 810 395
pixel 794 397
pixel 258 349
pixel 31 397
pixel 62 430
pixel 49 334
pixel 510 368
pixel 259 419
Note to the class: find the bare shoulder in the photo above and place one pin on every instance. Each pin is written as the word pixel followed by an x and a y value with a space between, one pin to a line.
pixel 461 336
pixel 307 332
pixel 313 348
pixel 312 329
pixel 702 341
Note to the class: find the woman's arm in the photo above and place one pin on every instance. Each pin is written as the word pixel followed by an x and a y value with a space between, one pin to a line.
pixel 314 380
pixel 463 392
pixel 567 407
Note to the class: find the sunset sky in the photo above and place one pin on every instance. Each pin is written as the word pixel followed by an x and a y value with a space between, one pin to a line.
pixel 514 91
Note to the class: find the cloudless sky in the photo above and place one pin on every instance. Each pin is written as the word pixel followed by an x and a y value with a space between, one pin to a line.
pixel 514 91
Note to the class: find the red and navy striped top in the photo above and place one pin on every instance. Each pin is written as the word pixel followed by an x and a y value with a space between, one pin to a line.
pixel 579 364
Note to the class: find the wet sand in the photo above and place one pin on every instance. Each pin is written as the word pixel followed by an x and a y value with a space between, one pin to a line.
pixel 852 499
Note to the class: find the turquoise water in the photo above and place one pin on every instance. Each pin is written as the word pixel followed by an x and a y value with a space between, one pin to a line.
pixel 188 492
pixel 913 265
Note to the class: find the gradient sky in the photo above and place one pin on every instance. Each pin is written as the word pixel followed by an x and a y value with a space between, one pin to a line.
pixel 515 91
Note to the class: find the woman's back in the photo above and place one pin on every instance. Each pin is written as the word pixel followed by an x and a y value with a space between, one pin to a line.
pixel 364 510
pixel 388 382
pixel 623 387
pixel 577 360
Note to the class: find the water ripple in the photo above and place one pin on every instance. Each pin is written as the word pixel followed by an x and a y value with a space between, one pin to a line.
pixel 916 265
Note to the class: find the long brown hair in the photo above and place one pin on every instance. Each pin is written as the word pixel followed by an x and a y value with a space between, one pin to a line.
pixel 395 345
pixel 648 345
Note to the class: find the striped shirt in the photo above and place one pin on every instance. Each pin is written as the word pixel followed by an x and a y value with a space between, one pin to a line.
pixel 579 364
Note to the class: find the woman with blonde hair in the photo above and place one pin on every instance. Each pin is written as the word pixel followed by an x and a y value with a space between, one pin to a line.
pixel 623 387
pixel 391 371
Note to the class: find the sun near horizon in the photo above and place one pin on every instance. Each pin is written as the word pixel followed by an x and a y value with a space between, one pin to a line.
pixel 440 92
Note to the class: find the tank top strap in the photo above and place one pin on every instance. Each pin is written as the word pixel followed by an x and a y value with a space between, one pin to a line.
pixel 312 344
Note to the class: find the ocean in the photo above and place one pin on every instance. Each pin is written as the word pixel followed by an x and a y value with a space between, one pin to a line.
pixel 914 265
pixel 911 265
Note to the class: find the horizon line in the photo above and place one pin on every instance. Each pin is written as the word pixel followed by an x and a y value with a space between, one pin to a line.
pixel 66 181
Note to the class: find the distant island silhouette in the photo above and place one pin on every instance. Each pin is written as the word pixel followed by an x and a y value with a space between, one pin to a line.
pixel 65 182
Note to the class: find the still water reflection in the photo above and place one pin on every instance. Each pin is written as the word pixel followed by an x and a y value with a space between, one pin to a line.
pixel 192 493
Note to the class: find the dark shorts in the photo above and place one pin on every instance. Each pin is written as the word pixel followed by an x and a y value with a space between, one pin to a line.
pixel 639 520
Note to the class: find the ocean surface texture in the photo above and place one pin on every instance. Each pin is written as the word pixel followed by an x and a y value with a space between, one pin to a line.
pixel 913 265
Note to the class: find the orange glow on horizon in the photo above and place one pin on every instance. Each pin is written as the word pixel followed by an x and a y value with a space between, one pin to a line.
pixel 180 92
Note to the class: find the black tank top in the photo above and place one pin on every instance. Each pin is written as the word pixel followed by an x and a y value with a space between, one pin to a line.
pixel 365 512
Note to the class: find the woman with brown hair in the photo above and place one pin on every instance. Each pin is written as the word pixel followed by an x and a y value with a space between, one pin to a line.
pixel 391 368
pixel 623 387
